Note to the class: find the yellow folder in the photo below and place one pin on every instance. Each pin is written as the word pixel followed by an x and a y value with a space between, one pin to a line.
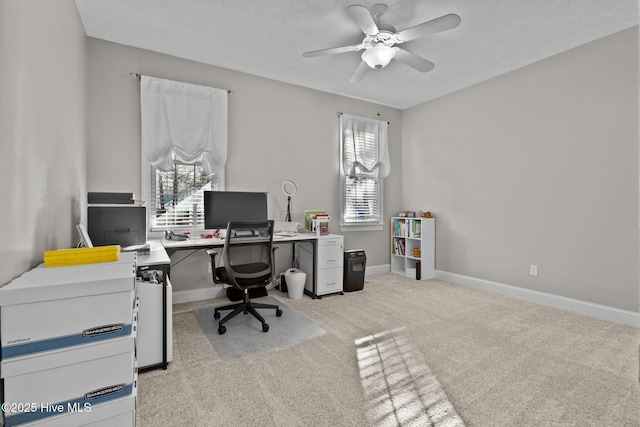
pixel 77 256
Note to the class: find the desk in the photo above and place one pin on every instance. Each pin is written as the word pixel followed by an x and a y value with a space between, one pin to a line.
pixel 203 243
pixel 319 258
pixel 322 251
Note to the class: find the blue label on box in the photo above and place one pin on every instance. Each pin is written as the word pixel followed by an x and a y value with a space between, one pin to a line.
pixel 87 336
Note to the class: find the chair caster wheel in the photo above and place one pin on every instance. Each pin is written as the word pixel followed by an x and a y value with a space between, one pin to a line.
pixel 216 315
pixel 278 312
pixel 222 330
pixel 265 328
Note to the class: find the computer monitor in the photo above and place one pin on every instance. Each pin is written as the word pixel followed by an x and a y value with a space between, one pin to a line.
pixel 117 225
pixel 222 207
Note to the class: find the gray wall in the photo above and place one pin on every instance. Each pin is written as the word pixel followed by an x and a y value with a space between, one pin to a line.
pixel 277 132
pixel 42 130
pixel 538 166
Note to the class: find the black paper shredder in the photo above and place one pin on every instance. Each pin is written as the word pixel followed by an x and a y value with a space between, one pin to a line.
pixel 355 262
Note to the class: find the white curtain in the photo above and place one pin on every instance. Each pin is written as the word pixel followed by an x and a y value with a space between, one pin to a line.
pixel 365 146
pixel 183 122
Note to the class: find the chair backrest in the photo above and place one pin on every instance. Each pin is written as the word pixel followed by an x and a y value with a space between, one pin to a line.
pixel 247 253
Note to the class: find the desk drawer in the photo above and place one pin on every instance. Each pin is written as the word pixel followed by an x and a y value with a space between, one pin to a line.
pixel 329 281
pixel 330 256
pixel 331 241
pixel 65 323
pixel 68 381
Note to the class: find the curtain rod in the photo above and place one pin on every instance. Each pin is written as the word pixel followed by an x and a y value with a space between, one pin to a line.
pixel 138 76
pixel 340 113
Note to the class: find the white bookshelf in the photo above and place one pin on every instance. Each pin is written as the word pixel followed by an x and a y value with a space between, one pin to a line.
pixel 409 235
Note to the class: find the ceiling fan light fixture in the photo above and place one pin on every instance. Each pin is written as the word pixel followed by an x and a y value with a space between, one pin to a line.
pixel 378 56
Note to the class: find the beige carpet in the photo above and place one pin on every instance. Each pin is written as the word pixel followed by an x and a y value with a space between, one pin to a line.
pixel 403 352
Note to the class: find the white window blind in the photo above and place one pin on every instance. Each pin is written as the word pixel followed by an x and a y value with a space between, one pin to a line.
pixel 362 201
pixel 365 161
pixel 177 197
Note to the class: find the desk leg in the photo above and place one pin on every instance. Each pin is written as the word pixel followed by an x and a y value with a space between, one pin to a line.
pixel 314 284
pixel 164 318
pixel 307 260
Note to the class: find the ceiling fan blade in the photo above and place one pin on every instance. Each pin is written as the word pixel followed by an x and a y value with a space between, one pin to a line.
pixel 360 72
pixel 363 18
pixel 413 60
pixel 437 25
pixel 332 51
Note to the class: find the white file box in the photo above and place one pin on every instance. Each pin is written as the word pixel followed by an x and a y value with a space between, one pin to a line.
pixel 48 309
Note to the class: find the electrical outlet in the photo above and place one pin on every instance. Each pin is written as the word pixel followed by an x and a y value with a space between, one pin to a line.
pixel 533 270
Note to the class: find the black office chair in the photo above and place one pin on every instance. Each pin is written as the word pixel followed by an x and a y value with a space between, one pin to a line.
pixel 246 263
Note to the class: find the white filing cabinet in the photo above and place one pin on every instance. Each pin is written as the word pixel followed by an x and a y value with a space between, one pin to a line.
pixel 329 259
pixel 68 345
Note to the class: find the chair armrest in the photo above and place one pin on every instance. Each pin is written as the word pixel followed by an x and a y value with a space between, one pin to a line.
pixel 273 262
pixel 212 254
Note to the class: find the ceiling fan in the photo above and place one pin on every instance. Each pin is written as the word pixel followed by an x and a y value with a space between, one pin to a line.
pixel 379 44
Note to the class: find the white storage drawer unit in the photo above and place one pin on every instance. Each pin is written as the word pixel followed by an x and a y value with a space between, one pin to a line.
pixel 329 264
pixel 69 381
pixel 119 412
pixel 51 308
pixel 68 345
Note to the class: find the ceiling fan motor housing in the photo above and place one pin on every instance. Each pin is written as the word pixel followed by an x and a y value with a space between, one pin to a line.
pixel 378 49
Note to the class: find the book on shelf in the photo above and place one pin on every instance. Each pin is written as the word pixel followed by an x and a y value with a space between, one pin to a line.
pixel 398 246
pixel 417 227
pixel 399 228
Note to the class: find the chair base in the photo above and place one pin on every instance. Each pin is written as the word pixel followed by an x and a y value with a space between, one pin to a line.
pixel 245 307
pixel 236 295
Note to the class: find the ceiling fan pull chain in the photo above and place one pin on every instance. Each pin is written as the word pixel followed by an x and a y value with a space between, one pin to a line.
pixel 378 99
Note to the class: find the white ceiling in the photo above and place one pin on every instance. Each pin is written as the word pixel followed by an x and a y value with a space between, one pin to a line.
pixel 268 38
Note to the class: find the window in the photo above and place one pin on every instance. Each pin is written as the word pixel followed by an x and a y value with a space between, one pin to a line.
pixel 177 197
pixel 184 150
pixel 365 162
pixel 362 200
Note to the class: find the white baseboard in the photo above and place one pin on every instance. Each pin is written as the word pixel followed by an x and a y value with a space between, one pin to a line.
pixel 213 291
pixel 599 311
pixel 377 269
pixel 197 294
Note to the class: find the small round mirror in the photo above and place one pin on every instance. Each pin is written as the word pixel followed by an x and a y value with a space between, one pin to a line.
pixel 289 188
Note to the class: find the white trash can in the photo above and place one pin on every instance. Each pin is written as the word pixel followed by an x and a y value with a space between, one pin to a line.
pixel 295 280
